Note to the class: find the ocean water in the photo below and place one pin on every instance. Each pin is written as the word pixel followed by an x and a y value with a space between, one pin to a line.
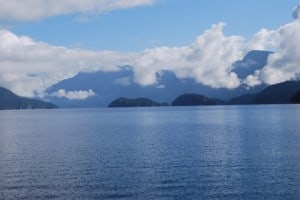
pixel 210 152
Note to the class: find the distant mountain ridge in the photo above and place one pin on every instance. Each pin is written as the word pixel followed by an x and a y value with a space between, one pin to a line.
pixel 280 93
pixel 9 101
pixel 108 86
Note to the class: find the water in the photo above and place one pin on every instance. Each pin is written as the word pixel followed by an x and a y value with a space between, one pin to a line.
pixel 217 152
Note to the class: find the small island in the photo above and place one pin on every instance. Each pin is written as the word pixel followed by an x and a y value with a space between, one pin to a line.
pixel 193 100
pixel 137 102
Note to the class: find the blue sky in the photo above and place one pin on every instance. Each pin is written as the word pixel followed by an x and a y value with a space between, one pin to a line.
pixel 46 41
pixel 164 23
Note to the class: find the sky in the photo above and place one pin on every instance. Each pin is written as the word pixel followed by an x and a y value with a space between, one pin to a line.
pixel 162 23
pixel 45 41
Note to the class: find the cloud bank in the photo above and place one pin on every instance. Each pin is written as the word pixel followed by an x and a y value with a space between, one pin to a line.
pixel 29 67
pixel 39 9
pixel 284 64
pixel 208 60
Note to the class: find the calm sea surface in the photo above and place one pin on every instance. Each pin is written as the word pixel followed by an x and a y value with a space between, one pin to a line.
pixel 217 152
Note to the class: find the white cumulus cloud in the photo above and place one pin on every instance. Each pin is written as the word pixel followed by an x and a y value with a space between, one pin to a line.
pixel 74 95
pixel 39 9
pixel 208 60
pixel 284 64
pixel 29 67
pixel 264 39
pixel 253 80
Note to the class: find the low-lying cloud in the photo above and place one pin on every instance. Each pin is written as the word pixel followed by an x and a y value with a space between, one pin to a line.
pixel 29 67
pixel 73 95
pixel 39 9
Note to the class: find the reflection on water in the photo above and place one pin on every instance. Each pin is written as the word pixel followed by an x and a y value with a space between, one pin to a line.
pixel 217 152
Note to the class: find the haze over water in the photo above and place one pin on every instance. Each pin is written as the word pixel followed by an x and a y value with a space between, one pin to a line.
pixel 218 152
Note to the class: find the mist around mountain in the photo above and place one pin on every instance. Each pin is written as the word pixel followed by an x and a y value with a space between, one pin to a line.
pixel 108 86
pixel 9 101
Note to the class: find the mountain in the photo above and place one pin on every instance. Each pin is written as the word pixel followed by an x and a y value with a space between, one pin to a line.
pixel 252 61
pixel 296 98
pixel 9 100
pixel 193 100
pixel 108 86
pixel 138 102
pixel 280 93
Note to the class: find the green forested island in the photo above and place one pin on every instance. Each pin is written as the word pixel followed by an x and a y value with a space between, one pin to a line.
pixel 137 102
pixel 282 93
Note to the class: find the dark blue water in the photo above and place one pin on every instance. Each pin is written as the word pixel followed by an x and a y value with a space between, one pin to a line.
pixel 231 152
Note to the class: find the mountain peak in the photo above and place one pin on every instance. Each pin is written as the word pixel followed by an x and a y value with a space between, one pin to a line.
pixel 257 55
pixel 252 61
